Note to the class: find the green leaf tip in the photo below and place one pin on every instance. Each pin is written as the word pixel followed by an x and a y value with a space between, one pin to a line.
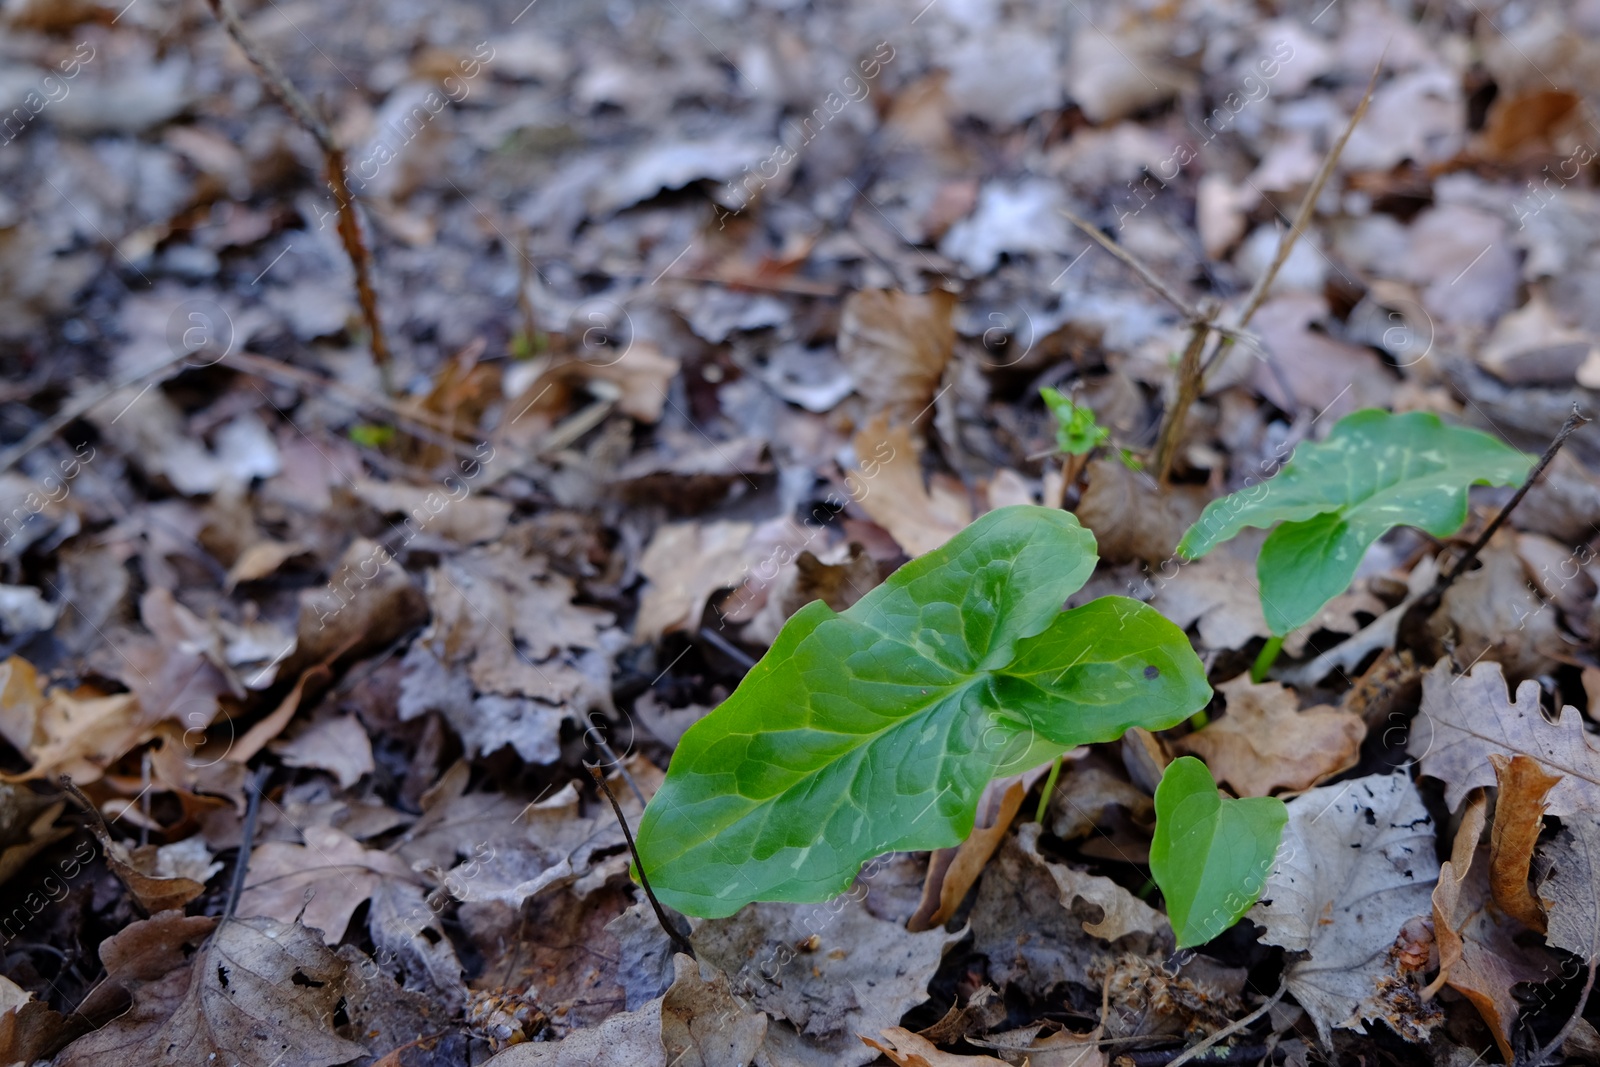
pixel 875 729
pixel 1212 854
pixel 1334 498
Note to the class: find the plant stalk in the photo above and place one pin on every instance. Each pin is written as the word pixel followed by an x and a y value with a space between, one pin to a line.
pixel 1049 788
pixel 1267 657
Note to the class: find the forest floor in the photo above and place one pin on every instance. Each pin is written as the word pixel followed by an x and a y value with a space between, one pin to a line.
pixel 682 316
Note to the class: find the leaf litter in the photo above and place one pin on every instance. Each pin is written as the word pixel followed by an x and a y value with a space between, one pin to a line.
pixel 694 317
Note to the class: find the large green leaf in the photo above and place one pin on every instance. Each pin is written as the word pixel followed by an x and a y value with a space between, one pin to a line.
pixel 1374 472
pixel 1211 854
pixel 876 729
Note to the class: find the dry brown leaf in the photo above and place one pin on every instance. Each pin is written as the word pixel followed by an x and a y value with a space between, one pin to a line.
pixel 320 883
pixel 685 563
pixel 838 578
pixel 1518 818
pixel 260 992
pixel 1266 743
pixel 1131 518
pixel 906 1049
pixel 1355 867
pixel 1466 718
pixel 889 488
pixel 895 346
pixel 1121 913
pixel 436 513
pixel 1478 954
pixel 338 744
pixel 1492 614
pixel 368 602
pixel 78 733
pixel 261 559
pixel 1570 891
pixel 951 871
pixel 137 869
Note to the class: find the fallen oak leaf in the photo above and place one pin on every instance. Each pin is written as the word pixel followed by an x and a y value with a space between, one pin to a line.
pixel 1266 743
pixel 1518 819
pixel 260 992
pixel 1356 863
pixel 1479 956
pixel 320 883
pixel 1570 892
pixel 1465 718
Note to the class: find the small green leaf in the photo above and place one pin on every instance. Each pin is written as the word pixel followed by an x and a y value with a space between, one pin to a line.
pixel 875 730
pixel 372 435
pixel 1077 433
pixel 1375 471
pixel 1211 854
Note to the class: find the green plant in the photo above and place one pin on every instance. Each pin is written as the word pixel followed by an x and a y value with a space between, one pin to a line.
pixel 1332 500
pixel 1077 433
pixel 876 729
pixel 1211 854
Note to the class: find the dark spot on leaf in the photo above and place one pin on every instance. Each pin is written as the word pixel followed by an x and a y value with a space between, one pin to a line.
pixel 1152 671
pixel 300 978
pixel 1372 819
pixel 222 976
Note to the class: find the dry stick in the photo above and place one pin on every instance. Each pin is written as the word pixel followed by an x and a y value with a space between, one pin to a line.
pixel 349 227
pixel 1233 1028
pixel 1302 216
pixel 80 406
pixel 1572 1024
pixel 1308 202
pixel 1574 420
pixel 246 840
pixel 1189 383
pixel 638 864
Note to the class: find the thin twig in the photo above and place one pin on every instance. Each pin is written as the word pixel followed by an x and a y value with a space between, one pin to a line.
pixel 1574 420
pixel 81 405
pixel 1572 1024
pixel 252 812
pixel 1189 383
pixel 349 226
pixel 1145 273
pixel 1302 216
pixel 1308 203
pixel 84 802
pixel 638 864
pixel 1232 1028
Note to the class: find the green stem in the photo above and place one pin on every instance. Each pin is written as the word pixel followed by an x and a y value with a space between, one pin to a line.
pixel 1268 656
pixel 1049 787
pixel 1199 719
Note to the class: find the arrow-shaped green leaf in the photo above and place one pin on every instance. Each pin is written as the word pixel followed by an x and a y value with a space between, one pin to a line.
pixel 1211 854
pixel 876 729
pixel 1374 472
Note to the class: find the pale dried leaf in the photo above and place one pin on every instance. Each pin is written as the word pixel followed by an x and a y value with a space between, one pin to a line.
pixel 260 992
pixel 1357 861
pixel 863 974
pixel 895 346
pixel 889 487
pixel 338 744
pixel 1266 743
pixel 1466 718
pixel 320 883
pixel 1570 891
pixel 685 563
pixel 1122 913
